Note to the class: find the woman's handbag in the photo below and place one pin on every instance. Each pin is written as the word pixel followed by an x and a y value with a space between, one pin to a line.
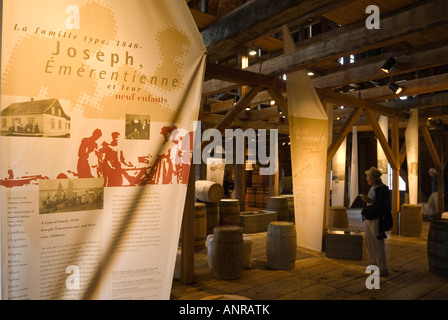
pixel 369 213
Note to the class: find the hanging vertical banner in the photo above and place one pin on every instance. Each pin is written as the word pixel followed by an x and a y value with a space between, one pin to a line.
pixel 411 136
pixel 338 175
pixel 354 183
pixel 383 164
pixel 98 101
pixel 308 126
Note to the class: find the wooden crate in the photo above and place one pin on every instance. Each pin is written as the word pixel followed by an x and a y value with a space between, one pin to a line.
pixel 343 244
pixel 256 221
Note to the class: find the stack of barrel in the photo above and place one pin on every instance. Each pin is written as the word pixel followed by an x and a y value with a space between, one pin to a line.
pixel 257 194
pixel 208 195
pixel 437 247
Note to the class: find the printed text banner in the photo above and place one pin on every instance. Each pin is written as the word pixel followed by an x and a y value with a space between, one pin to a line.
pixel 98 100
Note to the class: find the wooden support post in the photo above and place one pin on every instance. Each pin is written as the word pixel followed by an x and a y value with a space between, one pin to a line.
pixel 274 187
pixel 391 157
pixel 232 114
pixel 348 125
pixel 329 109
pixel 395 137
pixel 187 255
pixel 240 180
pixel 277 95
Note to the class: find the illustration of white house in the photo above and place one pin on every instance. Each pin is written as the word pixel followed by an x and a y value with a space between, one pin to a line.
pixel 43 118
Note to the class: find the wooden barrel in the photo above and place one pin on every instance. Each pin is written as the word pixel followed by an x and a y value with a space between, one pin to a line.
pixel 411 220
pixel 227 252
pixel 279 204
pixel 250 197
pixel 338 218
pixel 208 191
pixel 437 247
pixel 212 216
pixel 247 251
pixel 290 199
pixel 229 212
pixel 281 245
pixel 200 226
pixel 260 198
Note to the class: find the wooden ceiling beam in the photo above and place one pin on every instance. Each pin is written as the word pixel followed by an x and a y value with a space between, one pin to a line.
pixel 241 76
pixel 350 101
pixel 257 18
pixel 434 112
pixel 395 27
pixel 367 71
pixel 411 87
pixel 212 119
pixel 248 77
pixel 426 101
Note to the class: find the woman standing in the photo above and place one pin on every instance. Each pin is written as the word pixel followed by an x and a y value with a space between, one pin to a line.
pixel 378 219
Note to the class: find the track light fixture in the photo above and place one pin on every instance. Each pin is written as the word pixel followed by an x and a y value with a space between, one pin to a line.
pixel 395 88
pixel 387 66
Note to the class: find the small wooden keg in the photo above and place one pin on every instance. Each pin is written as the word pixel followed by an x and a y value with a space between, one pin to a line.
pixel 411 220
pixel 208 191
pixel 227 253
pixel 229 212
pixel 437 247
pixel 279 204
pixel 281 245
pixel 338 218
pixel 212 216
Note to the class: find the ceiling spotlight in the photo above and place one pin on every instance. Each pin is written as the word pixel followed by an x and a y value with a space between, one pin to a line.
pixel 311 74
pixel 387 66
pixel 252 52
pixel 395 88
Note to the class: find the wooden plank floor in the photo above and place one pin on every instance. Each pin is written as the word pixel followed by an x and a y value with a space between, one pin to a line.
pixel 316 277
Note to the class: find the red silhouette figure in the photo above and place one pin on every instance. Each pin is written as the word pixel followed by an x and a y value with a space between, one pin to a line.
pixel 87 146
pixel 162 170
pixel 113 159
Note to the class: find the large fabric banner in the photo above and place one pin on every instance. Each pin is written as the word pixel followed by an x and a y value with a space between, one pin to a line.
pixel 354 181
pixel 338 176
pixel 308 126
pixel 383 164
pixel 98 100
pixel 411 136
